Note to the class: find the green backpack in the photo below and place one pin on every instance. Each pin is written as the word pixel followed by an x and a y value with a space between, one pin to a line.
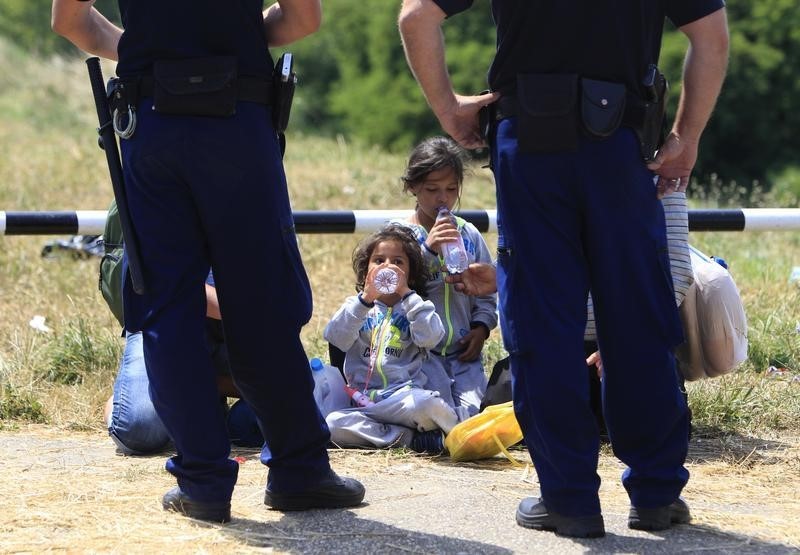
pixel 110 282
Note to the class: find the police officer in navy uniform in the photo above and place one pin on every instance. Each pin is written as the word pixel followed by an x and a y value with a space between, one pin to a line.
pixel 206 187
pixel 580 211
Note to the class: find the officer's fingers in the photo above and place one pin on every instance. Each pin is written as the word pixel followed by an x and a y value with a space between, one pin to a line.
pixel 471 138
pixel 655 164
pixel 468 140
pixel 667 185
pixel 488 98
pixel 664 154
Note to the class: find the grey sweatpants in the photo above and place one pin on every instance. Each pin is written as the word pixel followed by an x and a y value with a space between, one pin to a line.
pixel 461 384
pixel 392 421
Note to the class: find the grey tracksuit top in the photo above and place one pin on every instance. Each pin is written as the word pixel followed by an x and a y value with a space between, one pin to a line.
pixel 399 336
pixel 457 310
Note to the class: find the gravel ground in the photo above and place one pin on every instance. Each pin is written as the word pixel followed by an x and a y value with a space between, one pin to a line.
pixel 67 491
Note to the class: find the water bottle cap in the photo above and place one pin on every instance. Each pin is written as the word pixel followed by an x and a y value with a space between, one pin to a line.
pixel 317 364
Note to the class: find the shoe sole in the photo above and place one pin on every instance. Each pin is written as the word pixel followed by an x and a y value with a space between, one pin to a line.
pixel 577 527
pixel 313 500
pixel 655 520
pixel 220 513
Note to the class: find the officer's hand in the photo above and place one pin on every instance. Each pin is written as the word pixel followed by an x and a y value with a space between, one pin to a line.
pixel 478 279
pixel 673 164
pixel 596 360
pixel 474 341
pixel 460 121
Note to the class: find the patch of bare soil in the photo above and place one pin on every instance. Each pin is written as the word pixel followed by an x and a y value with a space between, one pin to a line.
pixel 69 492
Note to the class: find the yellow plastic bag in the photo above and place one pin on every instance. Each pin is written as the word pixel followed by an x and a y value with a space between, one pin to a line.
pixel 485 435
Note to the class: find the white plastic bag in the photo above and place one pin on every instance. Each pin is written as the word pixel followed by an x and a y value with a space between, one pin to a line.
pixel 714 322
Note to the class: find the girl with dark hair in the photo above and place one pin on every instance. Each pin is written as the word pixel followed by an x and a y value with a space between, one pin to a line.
pixel 434 176
pixel 385 331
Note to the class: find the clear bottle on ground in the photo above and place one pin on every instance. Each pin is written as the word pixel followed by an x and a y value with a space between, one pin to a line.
pixel 329 387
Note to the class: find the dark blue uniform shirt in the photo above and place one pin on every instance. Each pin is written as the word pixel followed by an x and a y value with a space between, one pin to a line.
pixel 158 30
pixel 611 41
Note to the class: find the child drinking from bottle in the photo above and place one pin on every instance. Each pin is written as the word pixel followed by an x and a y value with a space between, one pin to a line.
pixel 434 175
pixel 386 331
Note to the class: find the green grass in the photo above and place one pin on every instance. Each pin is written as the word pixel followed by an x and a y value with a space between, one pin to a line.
pixel 49 160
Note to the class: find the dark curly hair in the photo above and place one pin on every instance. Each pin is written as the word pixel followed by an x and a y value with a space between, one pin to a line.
pixel 431 155
pixel 418 275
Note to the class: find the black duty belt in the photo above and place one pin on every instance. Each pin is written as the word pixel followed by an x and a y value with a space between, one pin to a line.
pixel 248 89
pixel 508 106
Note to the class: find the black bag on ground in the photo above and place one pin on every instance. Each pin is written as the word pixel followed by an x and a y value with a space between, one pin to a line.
pixel 498 390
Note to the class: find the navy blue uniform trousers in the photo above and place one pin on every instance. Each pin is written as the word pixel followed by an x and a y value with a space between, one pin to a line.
pixel 203 192
pixel 569 222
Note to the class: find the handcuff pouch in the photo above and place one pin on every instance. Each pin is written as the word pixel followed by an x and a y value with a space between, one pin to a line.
pixel 602 106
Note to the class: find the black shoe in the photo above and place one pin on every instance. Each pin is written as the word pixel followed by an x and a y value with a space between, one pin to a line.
pixel 659 518
pixel 332 493
pixel 533 514
pixel 176 500
pixel 431 442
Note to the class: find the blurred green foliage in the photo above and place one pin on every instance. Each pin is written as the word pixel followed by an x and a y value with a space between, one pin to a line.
pixel 354 79
pixel 27 24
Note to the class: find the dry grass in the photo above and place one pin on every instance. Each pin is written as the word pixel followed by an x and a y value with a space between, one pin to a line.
pixel 68 492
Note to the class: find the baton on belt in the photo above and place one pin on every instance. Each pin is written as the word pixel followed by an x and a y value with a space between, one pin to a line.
pixel 108 142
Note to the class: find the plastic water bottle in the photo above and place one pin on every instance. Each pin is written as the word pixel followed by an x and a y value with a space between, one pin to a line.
pixel 454 252
pixel 386 281
pixel 329 392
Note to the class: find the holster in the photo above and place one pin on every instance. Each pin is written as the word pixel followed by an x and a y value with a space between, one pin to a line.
pixel 651 125
pixel 283 96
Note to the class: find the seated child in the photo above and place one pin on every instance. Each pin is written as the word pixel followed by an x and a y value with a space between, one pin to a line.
pixel 386 331
pixel 130 416
pixel 434 176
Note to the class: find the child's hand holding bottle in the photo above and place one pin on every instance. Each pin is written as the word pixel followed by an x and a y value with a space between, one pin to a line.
pixel 386 282
pixel 442 232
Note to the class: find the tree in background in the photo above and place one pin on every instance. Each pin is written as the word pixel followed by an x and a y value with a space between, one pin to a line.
pixel 354 80
pixel 371 94
pixel 27 24
pixel 753 132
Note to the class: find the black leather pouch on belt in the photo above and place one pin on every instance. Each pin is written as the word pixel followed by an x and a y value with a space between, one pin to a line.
pixel 548 114
pixel 195 87
pixel 602 106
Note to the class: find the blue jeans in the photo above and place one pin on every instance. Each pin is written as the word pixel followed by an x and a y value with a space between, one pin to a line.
pixel 134 424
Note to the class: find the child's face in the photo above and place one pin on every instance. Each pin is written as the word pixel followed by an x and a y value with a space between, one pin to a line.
pixel 439 188
pixel 389 252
